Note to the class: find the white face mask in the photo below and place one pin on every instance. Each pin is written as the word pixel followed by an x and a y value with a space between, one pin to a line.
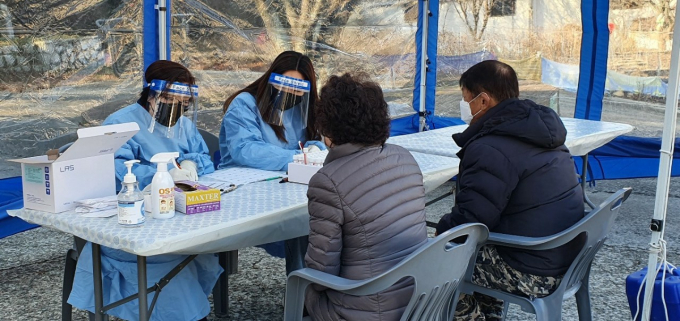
pixel 465 111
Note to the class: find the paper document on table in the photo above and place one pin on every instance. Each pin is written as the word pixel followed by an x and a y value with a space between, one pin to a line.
pixel 240 175
pixel 216 184
pixel 102 214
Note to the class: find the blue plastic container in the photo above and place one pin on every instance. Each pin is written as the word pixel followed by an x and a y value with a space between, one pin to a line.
pixel 671 294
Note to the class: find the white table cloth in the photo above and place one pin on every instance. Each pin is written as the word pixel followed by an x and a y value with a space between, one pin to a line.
pixel 253 214
pixel 582 137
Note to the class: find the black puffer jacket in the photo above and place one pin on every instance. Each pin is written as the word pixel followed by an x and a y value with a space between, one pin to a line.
pixel 517 177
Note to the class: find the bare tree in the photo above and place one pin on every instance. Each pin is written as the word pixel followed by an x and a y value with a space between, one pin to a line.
pixel 292 22
pixel 665 10
pixel 475 14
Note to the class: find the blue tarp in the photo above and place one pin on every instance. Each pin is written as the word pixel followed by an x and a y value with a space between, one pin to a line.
pixel 566 77
pixel 409 125
pixel 559 75
pixel 11 199
pixel 457 65
pixel 628 157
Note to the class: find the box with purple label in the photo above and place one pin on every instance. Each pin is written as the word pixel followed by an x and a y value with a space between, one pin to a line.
pixel 194 198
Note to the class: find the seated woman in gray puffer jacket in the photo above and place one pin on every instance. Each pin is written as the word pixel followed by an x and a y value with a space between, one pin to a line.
pixel 366 205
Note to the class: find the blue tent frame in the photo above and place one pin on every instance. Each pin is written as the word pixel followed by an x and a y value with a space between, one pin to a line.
pixel 589 96
pixel 593 66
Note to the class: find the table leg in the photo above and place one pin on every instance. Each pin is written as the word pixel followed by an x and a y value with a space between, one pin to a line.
pixel 141 285
pixel 221 290
pixel 232 262
pixel 97 276
pixel 584 176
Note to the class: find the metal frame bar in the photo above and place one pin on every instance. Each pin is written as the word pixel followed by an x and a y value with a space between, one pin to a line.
pixel 143 291
pixel 584 177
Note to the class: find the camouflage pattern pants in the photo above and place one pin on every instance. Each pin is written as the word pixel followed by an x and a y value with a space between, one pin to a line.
pixel 492 272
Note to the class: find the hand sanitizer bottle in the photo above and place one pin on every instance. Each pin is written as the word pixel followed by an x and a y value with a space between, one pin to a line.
pixel 130 200
pixel 163 187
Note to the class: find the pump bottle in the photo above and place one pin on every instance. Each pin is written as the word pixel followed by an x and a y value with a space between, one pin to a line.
pixel 163 187
pixel 130 199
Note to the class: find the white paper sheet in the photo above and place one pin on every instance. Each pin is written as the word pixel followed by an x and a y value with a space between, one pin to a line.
pixel 102 214
pixel 240 176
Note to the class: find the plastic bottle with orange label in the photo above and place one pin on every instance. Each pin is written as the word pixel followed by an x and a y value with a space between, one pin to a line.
pixel 163 187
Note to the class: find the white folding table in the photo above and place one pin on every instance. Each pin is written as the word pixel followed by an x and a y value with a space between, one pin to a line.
pixel 253 214
pixel 583 136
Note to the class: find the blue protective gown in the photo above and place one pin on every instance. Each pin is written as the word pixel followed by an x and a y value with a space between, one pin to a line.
pixel 247 140
pixel 144 145
pixel 185 297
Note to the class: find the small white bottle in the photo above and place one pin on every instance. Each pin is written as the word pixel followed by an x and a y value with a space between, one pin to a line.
pixel 130 200
pixel 163 187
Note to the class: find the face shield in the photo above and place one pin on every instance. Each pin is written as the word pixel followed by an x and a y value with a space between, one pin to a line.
pixel 289 100
pixel 168 102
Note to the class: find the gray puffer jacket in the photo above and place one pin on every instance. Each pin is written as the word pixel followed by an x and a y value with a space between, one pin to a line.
pixel 367 212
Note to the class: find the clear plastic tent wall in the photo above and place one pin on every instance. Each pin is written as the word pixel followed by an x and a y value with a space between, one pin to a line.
pixel 75 65
pixel 542 41
pixel 523 34
pixel 68 64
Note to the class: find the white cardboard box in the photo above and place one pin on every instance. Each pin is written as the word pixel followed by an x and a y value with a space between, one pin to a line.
pixel 301 173
pixel 85 170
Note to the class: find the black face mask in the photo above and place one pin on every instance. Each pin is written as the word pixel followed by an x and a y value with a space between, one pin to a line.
pixel 288 104
pixel 166 115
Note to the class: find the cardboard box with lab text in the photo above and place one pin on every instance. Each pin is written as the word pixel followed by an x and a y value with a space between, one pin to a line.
pixel 85 170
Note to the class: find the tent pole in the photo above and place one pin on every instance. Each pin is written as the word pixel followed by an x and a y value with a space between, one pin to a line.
pixel 665 164
pixel 423 65
pixel 162 25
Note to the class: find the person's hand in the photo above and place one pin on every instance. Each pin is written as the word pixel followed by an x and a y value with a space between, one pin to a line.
pixel 191 167
pixel 312 149
pixel 181 174
pixel 312 144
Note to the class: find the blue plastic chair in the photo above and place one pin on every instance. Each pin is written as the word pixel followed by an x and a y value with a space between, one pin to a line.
pixel 213 143
pixel 437 268
pixel 595 226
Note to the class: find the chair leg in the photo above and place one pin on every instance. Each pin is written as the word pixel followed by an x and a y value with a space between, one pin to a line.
pixel 548 309
pixel 506 307
pixel 69 274
pixel 583 299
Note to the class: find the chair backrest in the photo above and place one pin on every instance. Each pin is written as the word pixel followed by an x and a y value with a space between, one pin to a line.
pixel 437 268
pixel 213 143
pixel 596 226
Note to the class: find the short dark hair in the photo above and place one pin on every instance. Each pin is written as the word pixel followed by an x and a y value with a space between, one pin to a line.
pixel 352 109
pixel 285 61
pixel 493 77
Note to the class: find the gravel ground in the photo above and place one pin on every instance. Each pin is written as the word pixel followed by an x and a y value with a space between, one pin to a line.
pixel 31 265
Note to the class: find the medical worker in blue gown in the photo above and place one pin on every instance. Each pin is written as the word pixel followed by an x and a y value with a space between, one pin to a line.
pixel 161 113
pixel 264 123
